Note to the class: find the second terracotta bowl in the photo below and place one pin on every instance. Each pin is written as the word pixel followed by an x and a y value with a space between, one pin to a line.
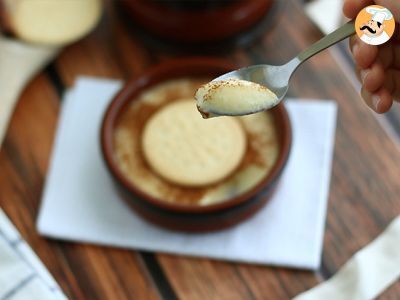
pixel 192 218
pixel 197 21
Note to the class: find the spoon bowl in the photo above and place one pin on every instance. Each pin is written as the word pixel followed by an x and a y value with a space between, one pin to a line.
pixel 277 78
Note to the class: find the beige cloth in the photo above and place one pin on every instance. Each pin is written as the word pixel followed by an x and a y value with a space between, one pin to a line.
pixel 19 62
pixel 369 272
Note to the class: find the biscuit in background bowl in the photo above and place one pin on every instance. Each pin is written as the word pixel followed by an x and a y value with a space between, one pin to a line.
pixel 189 207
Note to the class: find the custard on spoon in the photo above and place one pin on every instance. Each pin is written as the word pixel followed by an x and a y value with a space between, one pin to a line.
pixel 233 97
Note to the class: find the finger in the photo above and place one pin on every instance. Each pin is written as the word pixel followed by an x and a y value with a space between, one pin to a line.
pixel 389 55
pixel 386 55
pixel 380 101
pixel 353 40
pixel 358 73
pixel 373 78
pixel 396 55
pixel 351 8
pixel 364 54
pixel 392 82
pixel 396 33
pixel 392 5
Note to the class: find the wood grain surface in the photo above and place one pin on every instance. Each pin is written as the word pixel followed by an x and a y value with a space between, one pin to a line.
pixel 363 196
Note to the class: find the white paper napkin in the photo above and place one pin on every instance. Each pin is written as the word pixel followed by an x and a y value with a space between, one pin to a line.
pixel 326 14
pixel 22 274
pixel 79 202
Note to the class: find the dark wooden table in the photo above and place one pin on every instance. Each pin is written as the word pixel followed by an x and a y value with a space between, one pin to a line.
pixel 363 199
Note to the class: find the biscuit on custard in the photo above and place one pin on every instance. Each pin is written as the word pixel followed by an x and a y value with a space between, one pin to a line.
pixel 185 149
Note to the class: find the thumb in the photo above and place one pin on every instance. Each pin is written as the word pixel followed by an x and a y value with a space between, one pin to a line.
pixel 393 6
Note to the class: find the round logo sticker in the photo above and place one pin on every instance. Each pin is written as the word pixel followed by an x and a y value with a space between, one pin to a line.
pixel 375 25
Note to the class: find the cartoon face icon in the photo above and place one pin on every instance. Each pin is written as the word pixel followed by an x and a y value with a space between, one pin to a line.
pixel 375 25
pixel 373 28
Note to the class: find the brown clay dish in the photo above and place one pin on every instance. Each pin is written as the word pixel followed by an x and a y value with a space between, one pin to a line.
pixel 197 21
pixel 194 218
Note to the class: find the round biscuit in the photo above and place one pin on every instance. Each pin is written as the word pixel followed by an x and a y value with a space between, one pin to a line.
pixel 185 149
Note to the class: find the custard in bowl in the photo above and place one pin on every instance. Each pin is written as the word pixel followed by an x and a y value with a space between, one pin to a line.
pixel 181 171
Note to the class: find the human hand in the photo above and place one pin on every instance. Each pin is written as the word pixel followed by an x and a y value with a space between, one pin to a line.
pixel 378 67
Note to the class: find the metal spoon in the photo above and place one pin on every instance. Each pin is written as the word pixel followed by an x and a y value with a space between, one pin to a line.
pixel 276 78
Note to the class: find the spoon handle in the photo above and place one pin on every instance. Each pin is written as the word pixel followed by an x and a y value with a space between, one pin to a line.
pixel 338 35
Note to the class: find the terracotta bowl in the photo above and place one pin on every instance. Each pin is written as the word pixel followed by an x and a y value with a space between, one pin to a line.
pixel 194 218
pixel 196 21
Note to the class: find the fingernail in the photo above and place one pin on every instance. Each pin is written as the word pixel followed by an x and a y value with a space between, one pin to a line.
pixel 364 74
pixel 375 101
